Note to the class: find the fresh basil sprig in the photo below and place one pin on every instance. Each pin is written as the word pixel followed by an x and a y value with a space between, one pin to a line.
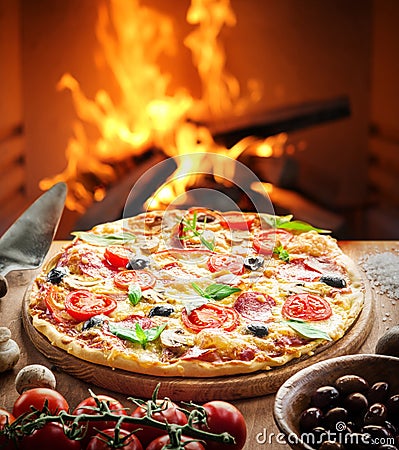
pixel 307 330
pixel 215 291
pixel 286 223
pixel 282 253
pixel 134 294
pixel 138 335
pixel 191 226
pixel 104 239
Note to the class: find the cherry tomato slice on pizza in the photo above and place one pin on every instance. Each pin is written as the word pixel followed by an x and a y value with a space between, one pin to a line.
pixel 255 306
pixel 232 263
pixel 117 256
pixel 82 305
pixel 210 315
pixel 236 220
pixel 143 278
pixel 266 241
pixel 306 307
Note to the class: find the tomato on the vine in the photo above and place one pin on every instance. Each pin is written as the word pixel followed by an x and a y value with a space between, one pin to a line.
pixel 51 436
pixel 37 398
pixel 130 441
pixel 224 417
pixel 6 418
pixel 161 441
pixel 83 304
pixel 88 405
pixel 169 413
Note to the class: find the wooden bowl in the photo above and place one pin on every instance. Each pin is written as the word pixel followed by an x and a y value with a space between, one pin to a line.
pixel 294 395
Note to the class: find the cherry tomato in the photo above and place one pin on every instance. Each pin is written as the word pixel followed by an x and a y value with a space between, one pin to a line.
pixel 266 241
pixel 130 442
pixel 236 220
pixel 170 413
pixel 143 278
pixel 232 263
pixel 306 307
pixel 86 407
pixel 225 417
pixel 160 442
pixel 50 437
pixel 82 305
pixel 117 256
pixel 210 315
pixel 6 418
pixel 255 306
pixel 36 398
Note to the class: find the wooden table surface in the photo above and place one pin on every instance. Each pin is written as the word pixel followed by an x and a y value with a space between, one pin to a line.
pixel 258 412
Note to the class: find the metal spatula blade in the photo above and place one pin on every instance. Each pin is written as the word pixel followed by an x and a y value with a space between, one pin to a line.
pixel 26 243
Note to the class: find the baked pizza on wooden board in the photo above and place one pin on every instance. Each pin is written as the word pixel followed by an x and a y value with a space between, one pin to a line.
pixel 197 294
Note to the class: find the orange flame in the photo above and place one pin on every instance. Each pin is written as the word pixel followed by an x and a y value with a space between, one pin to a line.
pixel 146 115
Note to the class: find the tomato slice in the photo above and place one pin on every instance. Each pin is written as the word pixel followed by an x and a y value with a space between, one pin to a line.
pixel 210 315
pixel 306 307
pixel 266 241
pixel 221 261
pixel 82 305
pixel 117 256
pixel 54 307
pixel 255 306
pixel 143 278
pixel 236 220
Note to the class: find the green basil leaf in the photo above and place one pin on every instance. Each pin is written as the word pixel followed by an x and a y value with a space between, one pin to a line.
pixel 124 333
pixel 134 294
pixel 282 253
pixel 199 290
pixel 219 291
pixel 307 330
pixel 276 221
pixel 104 239
pixel 298 225
pixel 138 335
pixel 154 333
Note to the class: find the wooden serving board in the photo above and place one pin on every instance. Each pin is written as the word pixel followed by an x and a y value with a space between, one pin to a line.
pixel 200 389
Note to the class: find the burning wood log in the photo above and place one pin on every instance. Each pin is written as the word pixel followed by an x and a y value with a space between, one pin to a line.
pixel 288 118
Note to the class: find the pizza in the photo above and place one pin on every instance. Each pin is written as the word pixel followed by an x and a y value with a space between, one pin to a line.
pixel 197 293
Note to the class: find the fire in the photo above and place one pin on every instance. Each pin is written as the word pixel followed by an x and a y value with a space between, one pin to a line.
pixel 147 114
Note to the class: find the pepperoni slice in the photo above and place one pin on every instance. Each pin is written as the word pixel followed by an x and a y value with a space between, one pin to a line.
pixel 130 322
pixel 210 315
pixel 232 263
pixel 266 241
pixel 306 307
pixel 236 220
pixel 298 270
pixel 255 306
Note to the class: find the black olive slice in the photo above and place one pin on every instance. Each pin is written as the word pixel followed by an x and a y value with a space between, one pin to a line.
pixel 164 311
pixel 94 321
pixel 56 275
pixel 258 330
pixel 254 262
pixel 138 263
pixel 333 281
